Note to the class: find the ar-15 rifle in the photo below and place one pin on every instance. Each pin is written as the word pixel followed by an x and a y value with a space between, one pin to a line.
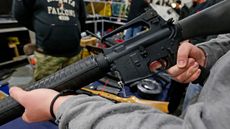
pixel 131 58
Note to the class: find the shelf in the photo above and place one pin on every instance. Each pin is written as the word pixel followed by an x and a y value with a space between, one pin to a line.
pixel 98 18
pixel 8 22
pixel 12 39
pixel 18 60
pixel 12 29
pixel 102 14
pixel 106 8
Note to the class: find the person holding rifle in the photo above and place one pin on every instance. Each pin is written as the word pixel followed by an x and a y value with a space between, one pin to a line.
pixel 211 111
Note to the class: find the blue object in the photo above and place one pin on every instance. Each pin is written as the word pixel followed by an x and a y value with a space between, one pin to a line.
pixel 132 31
pixel 4 87
pixel 192 93
pixel 20 124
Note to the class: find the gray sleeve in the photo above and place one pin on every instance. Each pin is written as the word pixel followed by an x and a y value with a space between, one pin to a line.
pixel 215 48
pixel 86 112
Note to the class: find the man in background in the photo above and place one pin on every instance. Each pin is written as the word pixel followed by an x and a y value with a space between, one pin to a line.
pixel 137 7
pixel 58 25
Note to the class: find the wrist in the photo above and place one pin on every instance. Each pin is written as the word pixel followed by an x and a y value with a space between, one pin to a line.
pixel 204 57
pixel 58 100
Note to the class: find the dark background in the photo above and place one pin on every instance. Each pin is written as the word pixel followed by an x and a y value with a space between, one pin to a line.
pixel 5 7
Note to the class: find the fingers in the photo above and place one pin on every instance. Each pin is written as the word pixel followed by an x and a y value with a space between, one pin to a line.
pixel 193 77
pixel 185 75
pixel 175 70
pixel 183 54
pixel 189 75
pixel 153 66
pixel 26 117
pixel 18 94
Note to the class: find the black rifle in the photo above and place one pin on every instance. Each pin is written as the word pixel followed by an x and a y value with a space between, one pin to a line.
pixel 131 59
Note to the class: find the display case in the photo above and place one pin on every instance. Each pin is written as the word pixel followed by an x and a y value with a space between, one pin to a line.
pixel 104 16
pixel 13 37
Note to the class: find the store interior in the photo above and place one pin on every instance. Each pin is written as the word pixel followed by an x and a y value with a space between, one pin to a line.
pixel 17 60
pixel 102 18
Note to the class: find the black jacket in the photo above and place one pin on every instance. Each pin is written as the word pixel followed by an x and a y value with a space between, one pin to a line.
pixel 57 23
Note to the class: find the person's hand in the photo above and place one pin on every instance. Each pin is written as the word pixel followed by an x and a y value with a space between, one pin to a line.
pixel 189 57
pixel 36 103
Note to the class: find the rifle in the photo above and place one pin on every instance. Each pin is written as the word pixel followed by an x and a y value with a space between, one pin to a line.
pixel 131 58
pixel 160 105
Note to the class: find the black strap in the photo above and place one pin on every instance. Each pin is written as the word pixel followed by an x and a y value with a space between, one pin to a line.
pixel 62 93
pixel 203 76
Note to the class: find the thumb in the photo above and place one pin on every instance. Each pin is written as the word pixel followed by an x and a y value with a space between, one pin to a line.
pixel 26 117
pixel 17 94
pixel 183 55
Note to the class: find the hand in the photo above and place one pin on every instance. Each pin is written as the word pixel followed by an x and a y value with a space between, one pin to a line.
pixel 189 57
pixel 186 74
pixel 188 50
pixel 36 103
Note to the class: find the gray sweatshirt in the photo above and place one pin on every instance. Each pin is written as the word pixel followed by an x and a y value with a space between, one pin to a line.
pixel 212 110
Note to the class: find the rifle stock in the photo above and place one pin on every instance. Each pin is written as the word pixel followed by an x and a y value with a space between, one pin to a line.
pixel 160 105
